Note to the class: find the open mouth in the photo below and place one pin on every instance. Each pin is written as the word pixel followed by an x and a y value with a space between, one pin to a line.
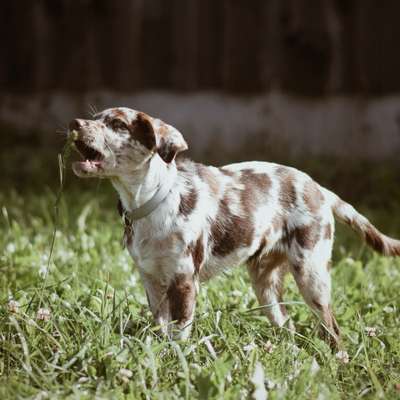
pixel 93 158
pixel 87 152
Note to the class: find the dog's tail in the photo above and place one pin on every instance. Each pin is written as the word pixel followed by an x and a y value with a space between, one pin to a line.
pixel 373 237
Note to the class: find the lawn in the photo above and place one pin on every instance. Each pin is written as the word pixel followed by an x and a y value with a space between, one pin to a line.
pixel 78 326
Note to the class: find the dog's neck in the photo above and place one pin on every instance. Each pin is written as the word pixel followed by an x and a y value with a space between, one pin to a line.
pixel 141 185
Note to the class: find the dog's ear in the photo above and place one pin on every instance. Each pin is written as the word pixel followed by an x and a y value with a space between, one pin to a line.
pixel 170 142
pixel 142 130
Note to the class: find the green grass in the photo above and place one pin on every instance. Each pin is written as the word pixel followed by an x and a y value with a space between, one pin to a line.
pixel 99 323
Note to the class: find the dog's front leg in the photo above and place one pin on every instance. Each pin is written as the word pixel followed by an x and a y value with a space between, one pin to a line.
pixel 181 298
pixel 157 297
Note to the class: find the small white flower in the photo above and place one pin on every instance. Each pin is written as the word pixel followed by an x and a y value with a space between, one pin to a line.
pixel 388 309
pixel 269 347
pixel 294 349
pixel 43 270
pixel 269 384
pixel 370 331
pixel 11 248
pixel 13 306
pixel 343 356
pixel 43 314
pixel 125 374
pixel 249 347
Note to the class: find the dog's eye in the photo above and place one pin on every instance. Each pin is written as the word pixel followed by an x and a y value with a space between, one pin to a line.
pixel 118 125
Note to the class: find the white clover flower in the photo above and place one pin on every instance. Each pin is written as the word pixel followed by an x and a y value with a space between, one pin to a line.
pixel 43 314
pixel 342 356
pixel 10 248
pixel 125 374
pixel 43 270
pixel 13 306
pixel 269 347
pixel 248 347
pixel 370 331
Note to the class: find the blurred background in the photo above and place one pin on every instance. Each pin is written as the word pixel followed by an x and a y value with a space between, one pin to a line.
pixel 313 84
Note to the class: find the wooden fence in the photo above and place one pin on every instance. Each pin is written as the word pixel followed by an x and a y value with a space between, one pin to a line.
pixel 305 47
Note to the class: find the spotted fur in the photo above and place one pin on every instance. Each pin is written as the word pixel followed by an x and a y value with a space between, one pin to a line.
pixel 273 218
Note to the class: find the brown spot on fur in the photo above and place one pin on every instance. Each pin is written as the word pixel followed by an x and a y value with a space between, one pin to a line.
pixel 297 267
pixel 256 187
pixel 255 258
pixel 312 196
pixel 374 238
pixel 227 172
pixel 328 232
pixel 142 130
pixel 118 114
pixel 229 231
pixel 307 236
pixel 181 295
pixel 181 166
pixel 197 252
pixel 168 146
pixel 188 202
pixel 261 180
pixel 277 223
pixel 261 267
pixel 208 177
pixel 317 305
pixel 288 193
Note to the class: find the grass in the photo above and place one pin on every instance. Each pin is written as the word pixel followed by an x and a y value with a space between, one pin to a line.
pixel 98 339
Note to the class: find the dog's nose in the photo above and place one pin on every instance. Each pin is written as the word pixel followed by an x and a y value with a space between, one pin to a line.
pixel 75 125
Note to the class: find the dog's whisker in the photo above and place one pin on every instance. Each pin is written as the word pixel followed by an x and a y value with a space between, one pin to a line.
pixel 112 153
pixel 92 110
pixel 61 132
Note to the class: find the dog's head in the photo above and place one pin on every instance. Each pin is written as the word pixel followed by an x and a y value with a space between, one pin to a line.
pixel 119 140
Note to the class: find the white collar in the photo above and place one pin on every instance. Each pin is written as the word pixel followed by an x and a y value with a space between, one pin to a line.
pixel 150 205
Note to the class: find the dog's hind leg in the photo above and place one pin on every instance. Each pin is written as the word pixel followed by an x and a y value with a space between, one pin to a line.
pixel 310 254
pixel 267 274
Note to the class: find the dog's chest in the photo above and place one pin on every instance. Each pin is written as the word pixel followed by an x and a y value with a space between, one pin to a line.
pixel 153 251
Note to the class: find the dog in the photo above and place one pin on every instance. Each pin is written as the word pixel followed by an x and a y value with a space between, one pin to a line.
pixel 185 222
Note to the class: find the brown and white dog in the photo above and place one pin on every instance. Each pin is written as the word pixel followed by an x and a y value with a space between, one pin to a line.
pixel 187 221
